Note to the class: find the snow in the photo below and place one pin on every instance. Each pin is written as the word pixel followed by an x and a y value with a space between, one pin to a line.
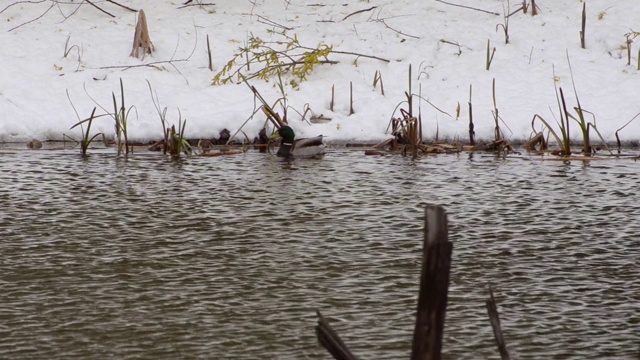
pixel 35 76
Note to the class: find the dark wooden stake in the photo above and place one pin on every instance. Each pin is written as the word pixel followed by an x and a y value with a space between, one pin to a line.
pixel 434 286
pixel 494 317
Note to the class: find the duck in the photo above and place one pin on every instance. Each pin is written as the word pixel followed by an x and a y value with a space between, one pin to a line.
pixel 301 148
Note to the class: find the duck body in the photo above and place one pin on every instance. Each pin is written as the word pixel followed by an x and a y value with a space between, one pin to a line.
pixel 302 148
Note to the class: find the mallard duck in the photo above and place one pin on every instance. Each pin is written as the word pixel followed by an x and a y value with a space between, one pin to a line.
pixel 302 148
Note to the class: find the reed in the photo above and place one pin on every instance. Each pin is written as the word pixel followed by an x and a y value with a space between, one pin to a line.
pixel 398 125
pixel 585 126
pixel 86 133
pixel 534 8
pixel 496 116
pixel 174 142
pixel 409 95
pixel 472 133
pixel 68 49
pixel 120 115
pixel 630 37
pixel 351 111
pixel 209 54
pixel 629 41
pixel 377 78
pixel 177 143
pixel 141 39
pixel 624 126
pixel 584 25
pixel 333 96
pixel 490 54
pixel 505 22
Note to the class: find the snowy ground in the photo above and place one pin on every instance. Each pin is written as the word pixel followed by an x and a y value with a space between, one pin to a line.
pixel 35 74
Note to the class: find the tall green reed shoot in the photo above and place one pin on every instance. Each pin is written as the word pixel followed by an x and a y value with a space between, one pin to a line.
pixel 177 143
pixel 120 115
pixel 86 140
pixel 377 78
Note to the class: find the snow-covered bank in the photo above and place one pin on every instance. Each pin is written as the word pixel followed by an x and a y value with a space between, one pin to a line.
pixel 35 74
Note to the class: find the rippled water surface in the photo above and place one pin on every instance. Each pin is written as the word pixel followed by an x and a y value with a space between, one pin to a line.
pixel 229 257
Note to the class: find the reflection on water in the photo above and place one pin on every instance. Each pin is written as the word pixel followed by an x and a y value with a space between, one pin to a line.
pixel 229 257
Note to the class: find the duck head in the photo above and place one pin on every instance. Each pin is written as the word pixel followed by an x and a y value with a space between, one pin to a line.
pixel 288 138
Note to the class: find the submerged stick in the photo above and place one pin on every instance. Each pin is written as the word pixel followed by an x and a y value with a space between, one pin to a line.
pixel 330 340
pixel 494 317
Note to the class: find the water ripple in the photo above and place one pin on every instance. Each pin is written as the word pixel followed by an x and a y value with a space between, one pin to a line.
pixel 141 257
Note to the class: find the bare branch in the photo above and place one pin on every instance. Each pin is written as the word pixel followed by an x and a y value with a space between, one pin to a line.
pixel 122 6
pixel 264 20
pixel 99 8
pixel 397 31
pixel 199 4
pixel 32 20
pixel 358 12
pixel 469 7
pixel 22 2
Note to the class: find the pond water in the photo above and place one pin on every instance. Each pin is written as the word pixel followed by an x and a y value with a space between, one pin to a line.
pixel 229 257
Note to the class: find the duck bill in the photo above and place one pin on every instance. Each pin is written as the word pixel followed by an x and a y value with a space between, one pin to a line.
pixel 274 136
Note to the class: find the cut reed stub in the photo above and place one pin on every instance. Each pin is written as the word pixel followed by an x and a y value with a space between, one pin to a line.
pixel 141 39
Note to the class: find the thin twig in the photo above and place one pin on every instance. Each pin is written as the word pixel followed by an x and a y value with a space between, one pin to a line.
pixel 469 7
pixel 32 20
pixel 184 6
pixel 22 2
pixel 355 54
pixel 358 12
pixel 99 8
pixel 398 31
pixel 264 20
pixel 122 6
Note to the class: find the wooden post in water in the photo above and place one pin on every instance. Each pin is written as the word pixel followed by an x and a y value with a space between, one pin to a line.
pixel 494 317
pixel 434 286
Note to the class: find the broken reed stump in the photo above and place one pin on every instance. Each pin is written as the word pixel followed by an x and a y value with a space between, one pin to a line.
pixel 434 286
pixel 494 318
pixel 432 298
pixel 141 39
pixel 537 139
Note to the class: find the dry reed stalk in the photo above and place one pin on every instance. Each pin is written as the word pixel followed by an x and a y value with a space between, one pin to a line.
pixel 472 133
pixel 141 38
pixel 537 139
pixel 534 8
pixel 333 94
pixel 351 112
pixel 209 53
